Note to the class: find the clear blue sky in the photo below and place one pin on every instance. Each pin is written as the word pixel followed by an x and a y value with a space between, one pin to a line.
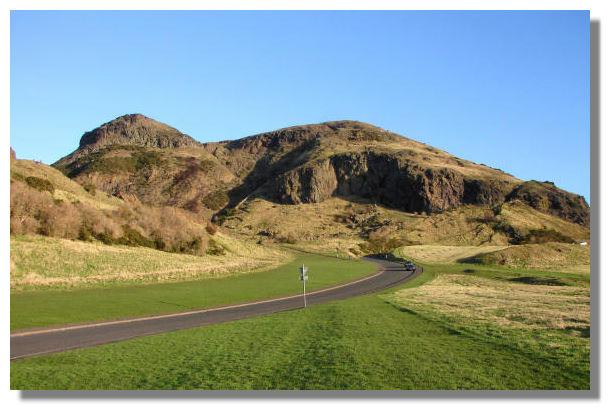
pixel 508 89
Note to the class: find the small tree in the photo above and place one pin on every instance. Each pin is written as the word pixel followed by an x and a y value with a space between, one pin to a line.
pixel 381 241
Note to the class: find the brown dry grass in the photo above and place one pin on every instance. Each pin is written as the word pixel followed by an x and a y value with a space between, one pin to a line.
pixel 352 219
pixel 552 256
pixel 65 189
pixel 69 211
pixel 420 153
pixel 38 262
pixel 330 219
pixel 503 303
pixel 525 218
pixel 444 254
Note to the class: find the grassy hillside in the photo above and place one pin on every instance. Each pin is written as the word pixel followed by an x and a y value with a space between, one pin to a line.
pixel 525 218
pixel 430 254
pixel 550 256
pixel 360 343
pixel 351 221
pixel 37 308
pixel 181 177
pixel 344 224
pixel 44 202
pixel 39 262
pixel 63 188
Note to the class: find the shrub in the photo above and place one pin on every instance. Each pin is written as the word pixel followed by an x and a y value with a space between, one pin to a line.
pixel 216 200
pixel 225 215
pixel 90 188
pixel 133 237
pixel 381 241
pixel 355 251
pixel 215 248
pixel 540 236
pixel 164 228
pixel 113 165
pixel 487 218
pixel 207 165
pixel 36 212
pixel 98 162
pixel 515 236
pixel 287 239
pixel 17 176
pixel 211 228
pixel 37 183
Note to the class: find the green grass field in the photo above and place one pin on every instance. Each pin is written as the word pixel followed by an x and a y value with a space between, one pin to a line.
pixel 367 342
pixel 53 307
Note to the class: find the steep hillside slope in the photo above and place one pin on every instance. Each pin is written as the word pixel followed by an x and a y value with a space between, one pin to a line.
pixel 45 202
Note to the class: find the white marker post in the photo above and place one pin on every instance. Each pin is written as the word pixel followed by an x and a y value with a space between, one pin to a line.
pixel 303 276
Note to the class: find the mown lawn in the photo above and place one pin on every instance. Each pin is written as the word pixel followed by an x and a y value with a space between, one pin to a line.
pixel 44 308
pixel 360 343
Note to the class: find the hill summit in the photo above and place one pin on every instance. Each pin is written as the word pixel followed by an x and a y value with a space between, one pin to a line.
pixel 136 129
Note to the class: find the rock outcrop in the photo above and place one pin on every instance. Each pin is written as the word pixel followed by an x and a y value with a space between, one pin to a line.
pixel 387 180
pixel 136 129
pixel 547 198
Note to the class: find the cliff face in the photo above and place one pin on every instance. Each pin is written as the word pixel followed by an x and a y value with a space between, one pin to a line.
pixel 387 180
pixel 135 156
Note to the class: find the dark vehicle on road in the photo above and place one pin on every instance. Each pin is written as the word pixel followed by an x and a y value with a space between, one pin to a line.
pixel 409 266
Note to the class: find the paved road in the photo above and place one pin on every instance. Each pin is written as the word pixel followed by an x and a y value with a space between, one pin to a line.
pixel 37 342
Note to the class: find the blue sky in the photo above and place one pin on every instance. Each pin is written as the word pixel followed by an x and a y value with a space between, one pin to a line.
pixel 508 89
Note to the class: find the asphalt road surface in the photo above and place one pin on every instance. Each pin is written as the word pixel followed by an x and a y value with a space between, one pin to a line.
pixel 44 341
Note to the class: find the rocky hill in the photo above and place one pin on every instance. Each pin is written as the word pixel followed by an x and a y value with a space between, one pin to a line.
pixel 136 129
pixel 136 157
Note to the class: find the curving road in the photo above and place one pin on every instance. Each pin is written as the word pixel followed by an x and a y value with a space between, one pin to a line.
pixel 37 342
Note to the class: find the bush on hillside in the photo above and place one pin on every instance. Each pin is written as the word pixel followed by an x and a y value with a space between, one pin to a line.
pixel 287 239
pixel 166 228
pixel 224 215
pixel 515 236
pixel 90 188
pixel 211 229
pixel 37 183
pixel 541 236
pixel 216 200
pixel 381 241
pixel 215 248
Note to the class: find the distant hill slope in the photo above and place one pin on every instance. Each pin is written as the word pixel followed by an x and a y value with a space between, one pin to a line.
pixel 135 156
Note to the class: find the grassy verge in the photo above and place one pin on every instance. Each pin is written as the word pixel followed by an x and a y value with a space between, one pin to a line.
pixel 360 343
pixel 53 307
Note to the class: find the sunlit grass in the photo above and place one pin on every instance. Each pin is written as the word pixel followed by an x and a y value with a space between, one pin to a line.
pixel 360 343
pixel 52 307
